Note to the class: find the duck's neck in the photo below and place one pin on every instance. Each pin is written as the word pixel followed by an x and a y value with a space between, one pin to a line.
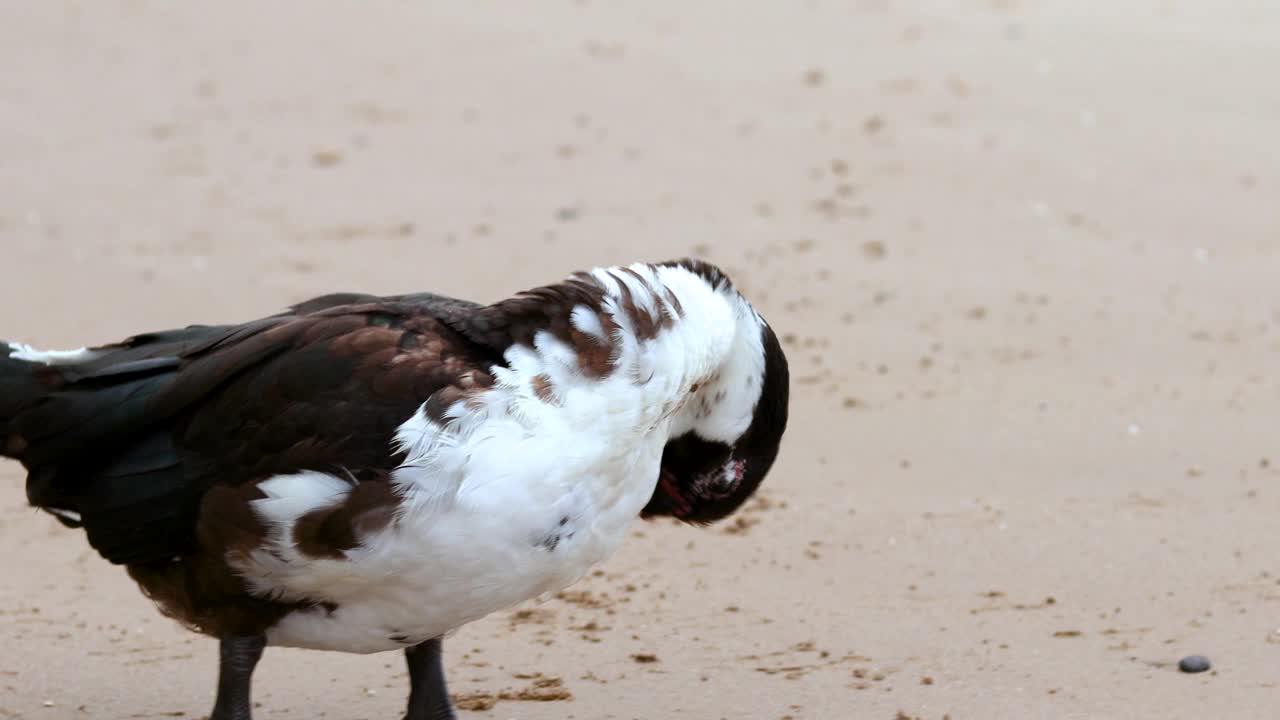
pixel 706 352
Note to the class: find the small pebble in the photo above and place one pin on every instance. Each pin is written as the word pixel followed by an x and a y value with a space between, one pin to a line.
pixel 1193 664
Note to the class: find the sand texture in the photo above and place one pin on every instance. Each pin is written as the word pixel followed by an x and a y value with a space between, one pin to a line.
pixel 1025 256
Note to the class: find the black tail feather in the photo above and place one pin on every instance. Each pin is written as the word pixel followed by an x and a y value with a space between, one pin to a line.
pixel 83 432
pixel 21 387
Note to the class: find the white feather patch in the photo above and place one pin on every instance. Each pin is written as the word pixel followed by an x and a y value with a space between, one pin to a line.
pixel 22 351
pixel 289 497
pixel 586 320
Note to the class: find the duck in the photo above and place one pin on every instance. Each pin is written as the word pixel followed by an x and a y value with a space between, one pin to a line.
pixel 369 473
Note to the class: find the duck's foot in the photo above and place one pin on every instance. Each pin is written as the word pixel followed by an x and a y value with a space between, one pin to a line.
pixel 428 695
pixel 238 657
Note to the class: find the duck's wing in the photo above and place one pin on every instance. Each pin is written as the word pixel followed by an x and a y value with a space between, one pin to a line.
pixel 128 440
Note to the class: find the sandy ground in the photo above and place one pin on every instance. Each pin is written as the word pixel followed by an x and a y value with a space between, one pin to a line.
pixel 1024 254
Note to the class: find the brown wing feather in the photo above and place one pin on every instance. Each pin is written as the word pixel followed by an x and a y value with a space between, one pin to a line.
pixel 134 439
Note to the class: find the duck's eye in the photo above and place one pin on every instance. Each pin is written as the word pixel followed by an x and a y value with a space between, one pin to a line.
pixel 721 482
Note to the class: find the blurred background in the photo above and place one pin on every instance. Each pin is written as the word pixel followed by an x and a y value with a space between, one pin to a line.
pixel 1023 254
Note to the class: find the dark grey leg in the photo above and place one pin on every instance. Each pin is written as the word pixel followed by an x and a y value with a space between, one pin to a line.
pixel 239 656
pixel 428 696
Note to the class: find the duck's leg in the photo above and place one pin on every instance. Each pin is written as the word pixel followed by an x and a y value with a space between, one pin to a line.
pixel 428 695
pixel 238 657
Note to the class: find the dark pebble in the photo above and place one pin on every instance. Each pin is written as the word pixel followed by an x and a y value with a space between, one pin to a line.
pixel 1193 664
